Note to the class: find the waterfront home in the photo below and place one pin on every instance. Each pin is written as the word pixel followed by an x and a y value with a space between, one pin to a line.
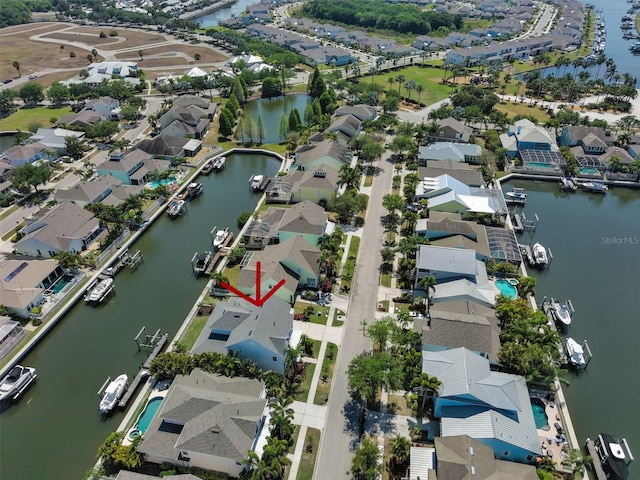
pixel 84 119
pixel 24 283
pixel 447 264
pixel 294 260
pixel 277 225
pixel 492 407
pixel 19 155
pixel 617 155
pixel 460 152
pixel 11 333
pixel 168 147
pixel 203 104
pixel 55 138
pixel 452 130
pixel 239 328
pixel 463 457
pixel 131 167
pixel 64 228
pixel 361 112
pixel 106 189
pixel 327 152
pixel 573 135
pixel 190 121
pixel 317 184
pixel 525 135
pixel 206 421
pixel 443 330
pixel 463 172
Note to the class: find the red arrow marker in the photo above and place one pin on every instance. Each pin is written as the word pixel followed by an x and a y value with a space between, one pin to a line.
pixel 258 301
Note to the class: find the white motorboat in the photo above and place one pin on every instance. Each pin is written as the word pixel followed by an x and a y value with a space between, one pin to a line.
pixel 202 261
pixel 219 239
pixel 16 381
pixel 596 187
pixel 112 394
pixel 219 163
pixel 568 184
pixel 193 190
pixel 175 208
pixel 517 195
pixel 257 182
pixel 614 456
pixel 540 256
pixel 562 312
pixel 575 353
pixel 100 291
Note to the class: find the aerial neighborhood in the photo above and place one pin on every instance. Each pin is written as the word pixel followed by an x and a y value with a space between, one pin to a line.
pixel 351 176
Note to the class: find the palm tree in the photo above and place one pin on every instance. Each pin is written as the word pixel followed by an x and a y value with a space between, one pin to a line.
pixel 400 80
pixel 391 81
pixel 275 456
pixel 328 242
pixel 400 453
pixel 16 65
pixel 94 52
pixel 428 283
pixel 141 54
pixel 419 89
pixel 409 86
pixel 350 177
pixel 281 418
pixel 427 386
pixel 217 278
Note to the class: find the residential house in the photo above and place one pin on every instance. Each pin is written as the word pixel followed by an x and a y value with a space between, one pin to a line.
pixel 361 112
pixel 106 189
pixel 617 154
pixel 131 168
pixel 277 225
pixel 11 333
pixel 463 457
pixel 525 135
pixel 452 130
pixel 346 126
pixel 168 147
pixel 189 122
pixel 19 155
pixel 106 106
pixel 461 152
pixel 463 172
pixel 317 184
pixel 203 104
pixel 295 261
pixel 55 138
pixel 634 151
pixel 206 421
pixel 492 407
pixel 445 264
pixel 23 285
pixel 573 135
pixel 120 69
pixel 327 152
pixel 239 328
pixel 83 119
pixel 5 176
pixel 64 228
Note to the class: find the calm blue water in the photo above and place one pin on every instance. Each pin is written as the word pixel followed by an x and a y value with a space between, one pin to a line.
pixel 588 171
pixel 539 414
pixel 595 240
pixel 149 412
pixel 60 285
pixel 540 165
pixel 270 110
pixel 212 19
pixel 156 183
pixel 506 289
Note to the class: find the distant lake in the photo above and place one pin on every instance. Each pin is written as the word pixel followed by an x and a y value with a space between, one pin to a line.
pixel 212 19
pixel 7 140
pixel 270 110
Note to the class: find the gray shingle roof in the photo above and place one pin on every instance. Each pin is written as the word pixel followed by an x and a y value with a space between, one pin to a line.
pixel 219 415
pixel 304 217
pixel 88 191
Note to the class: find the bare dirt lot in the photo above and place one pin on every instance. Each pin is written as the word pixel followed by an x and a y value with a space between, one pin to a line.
pixel 92 40
pixel 207 54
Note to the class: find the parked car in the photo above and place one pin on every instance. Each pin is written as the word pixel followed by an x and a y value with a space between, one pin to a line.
pixel 7 80
pixel 32 76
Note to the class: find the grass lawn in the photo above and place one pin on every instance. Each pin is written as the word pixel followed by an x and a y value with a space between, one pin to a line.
pixel 316 347
pixel 350 264
pixel 28 118
pixel 233 274
pixel 523 109
pixel 302 391
pixel 368 180
pixel 337 314
pixel 326 374
pixel 12 232
pixel 429 78
pixel 308 460
pixel 398 406
pixel 321 319
pixel 9 211
pixel 385 279
pixel 190 335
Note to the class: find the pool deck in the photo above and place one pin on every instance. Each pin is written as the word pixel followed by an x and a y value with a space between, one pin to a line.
pixel 553 449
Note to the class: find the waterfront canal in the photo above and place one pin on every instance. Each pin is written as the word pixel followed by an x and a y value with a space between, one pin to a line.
pixel 595 241
pixel 55 430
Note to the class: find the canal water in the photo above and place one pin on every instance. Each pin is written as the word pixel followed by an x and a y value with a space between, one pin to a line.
pixel 595 241
pixel 212 19
pixel 55 430
pixel 7 140
pixel 270 110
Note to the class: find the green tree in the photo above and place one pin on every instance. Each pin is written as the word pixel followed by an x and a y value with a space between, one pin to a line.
pixel 261 134
pixel 29 175
pixel 271 87
pixel 400 455
pixel 16 65
pixel 227 122
pixel 73 147
pixel 316 85
pixel 349 177
pixel 295 122
pixel 367 374
pixel 58 93
pixel 238 91
pixel 14 12
pixel 129 113
pixel 233 105
pixel 31 93
pixel 366 464
pixel 348 204
pixel 6 101
pixel 284 127
pixel 103 129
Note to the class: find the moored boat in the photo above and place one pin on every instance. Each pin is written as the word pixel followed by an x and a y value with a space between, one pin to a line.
pixel 596 187
pixel 112 394
pixel 219 163
pixel 175 208
pixel 614 456
pixel 568 184
pixel 517 195
pixel 575 353
pixel 99 292
pixel 202 261
pixel 193 190
pixel 562 312
pixel 16 381
pixel 540 257
pixel 219 239
pixel 258 182
pixel 208 168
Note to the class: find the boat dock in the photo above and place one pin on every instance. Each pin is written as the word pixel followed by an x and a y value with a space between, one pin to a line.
pixel 597 467
pixel 152 343
pixel 520 222
pixel 124 260
pixel 527 253
pixel 222 251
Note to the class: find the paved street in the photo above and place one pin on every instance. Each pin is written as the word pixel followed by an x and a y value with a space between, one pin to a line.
pixel 341 428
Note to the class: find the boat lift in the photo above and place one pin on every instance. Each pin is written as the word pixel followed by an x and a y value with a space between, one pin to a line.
pixel 124 259
pixel 521 223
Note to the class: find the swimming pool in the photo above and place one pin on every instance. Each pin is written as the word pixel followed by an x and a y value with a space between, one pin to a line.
pixel 156 183
pixel 505 288
pixel 588 171
pixel 60 284
pixel 539 414
pixel 147 415
pixel 540 165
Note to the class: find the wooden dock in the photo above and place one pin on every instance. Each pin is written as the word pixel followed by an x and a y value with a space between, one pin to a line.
pixel 143 371
pixel 222 251
pixel 521 223
pixel 597 467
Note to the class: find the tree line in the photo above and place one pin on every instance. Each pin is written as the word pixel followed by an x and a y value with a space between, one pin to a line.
pixel 381 15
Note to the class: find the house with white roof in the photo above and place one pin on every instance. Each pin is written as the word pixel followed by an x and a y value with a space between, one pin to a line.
pixel 239 328
pixel 461 152
pixel 54 138
pixel 65 228
pixel 491 407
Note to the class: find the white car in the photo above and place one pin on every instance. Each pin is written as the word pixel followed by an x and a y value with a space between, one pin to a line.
pixel 32 76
